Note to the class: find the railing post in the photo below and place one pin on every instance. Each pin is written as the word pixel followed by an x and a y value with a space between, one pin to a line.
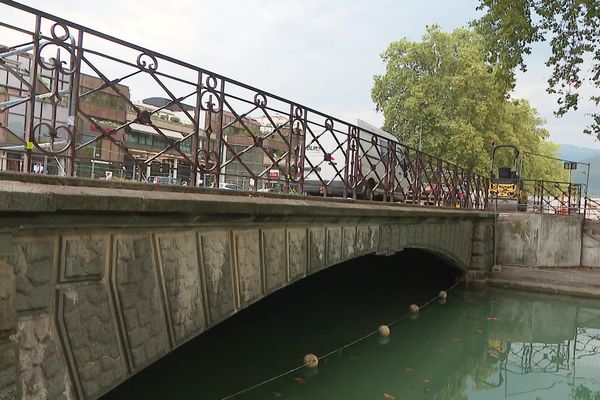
pixel 30 112
pixel 221 150
pixel 391 176
pixel 196 134
pixel 74 105
pixel 569 200
pixel 347 162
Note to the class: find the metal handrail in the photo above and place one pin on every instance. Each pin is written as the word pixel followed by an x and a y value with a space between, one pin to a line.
pixel 339 157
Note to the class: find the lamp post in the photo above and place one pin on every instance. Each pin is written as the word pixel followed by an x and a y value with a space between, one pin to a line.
pixel 422 105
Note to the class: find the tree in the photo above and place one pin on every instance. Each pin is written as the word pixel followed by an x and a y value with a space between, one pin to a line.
pixel 441 92
pixel 510 27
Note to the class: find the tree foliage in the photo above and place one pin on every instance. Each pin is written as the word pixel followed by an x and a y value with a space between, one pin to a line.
pixel 510 27
pixel 442 90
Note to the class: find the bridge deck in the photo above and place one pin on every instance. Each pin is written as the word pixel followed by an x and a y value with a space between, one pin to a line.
pixel 23 193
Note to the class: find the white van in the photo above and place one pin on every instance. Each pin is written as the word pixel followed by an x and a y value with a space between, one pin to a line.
pixel 325 163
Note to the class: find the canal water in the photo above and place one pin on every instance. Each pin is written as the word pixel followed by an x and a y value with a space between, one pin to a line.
pixel 493 345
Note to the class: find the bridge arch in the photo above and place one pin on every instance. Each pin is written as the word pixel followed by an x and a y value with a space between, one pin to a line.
pixel 450 259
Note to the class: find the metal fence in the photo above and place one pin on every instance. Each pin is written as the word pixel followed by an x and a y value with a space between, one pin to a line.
pixel 295 149
pixel 560 198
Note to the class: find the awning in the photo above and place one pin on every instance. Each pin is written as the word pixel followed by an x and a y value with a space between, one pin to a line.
pixel 148 129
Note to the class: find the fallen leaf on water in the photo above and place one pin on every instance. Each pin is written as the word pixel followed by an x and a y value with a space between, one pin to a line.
pixel 300 381
pixel 277 394
pixel 389 396
pixel 408 369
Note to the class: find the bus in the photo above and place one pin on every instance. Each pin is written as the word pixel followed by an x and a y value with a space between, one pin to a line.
pixel 325 164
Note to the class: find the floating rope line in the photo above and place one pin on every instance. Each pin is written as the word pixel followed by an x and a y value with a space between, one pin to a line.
pixel 338 350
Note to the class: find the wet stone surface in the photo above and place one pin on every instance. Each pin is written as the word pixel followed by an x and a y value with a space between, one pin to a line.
pixel 92 333
pixel 139 297
pixel 43 372
pixel 218 274
pixel 182 280
pixel 274 251
pixel 9 368
pixel 33 260
pixel 247 244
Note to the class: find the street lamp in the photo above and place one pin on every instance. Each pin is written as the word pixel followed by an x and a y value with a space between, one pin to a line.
pixel 422 105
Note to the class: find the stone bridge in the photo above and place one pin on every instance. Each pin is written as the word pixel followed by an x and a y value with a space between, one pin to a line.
pixel 100 279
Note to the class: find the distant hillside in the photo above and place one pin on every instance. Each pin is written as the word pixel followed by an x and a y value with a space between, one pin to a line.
pixel 576 153
pixel 583 155
pixel 594 188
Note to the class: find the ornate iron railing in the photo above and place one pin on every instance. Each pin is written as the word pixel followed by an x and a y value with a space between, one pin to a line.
pixel 592 208
pixel 69 88
pixel 562 198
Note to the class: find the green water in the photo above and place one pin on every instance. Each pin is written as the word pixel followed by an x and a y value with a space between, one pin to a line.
pixel 493 345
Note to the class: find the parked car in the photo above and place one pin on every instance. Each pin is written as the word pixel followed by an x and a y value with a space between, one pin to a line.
pixel 230 186
pixel 163 180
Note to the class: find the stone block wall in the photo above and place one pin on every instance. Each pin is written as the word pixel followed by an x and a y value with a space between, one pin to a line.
pixel 590 250
pixel 482 253
pixel 83 309
pixel 9 370
pixel 539 240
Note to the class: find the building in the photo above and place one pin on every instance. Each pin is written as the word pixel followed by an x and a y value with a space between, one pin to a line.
pixel 110 138
pixel 99 110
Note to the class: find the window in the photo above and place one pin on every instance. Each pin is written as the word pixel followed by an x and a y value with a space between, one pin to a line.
pixel 186 145
pixel 159 142
pixel 103 99
pixel 132 137
pixel 145 139
pixel 16 123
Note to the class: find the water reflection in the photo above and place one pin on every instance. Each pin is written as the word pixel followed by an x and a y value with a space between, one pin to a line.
pixel 539 348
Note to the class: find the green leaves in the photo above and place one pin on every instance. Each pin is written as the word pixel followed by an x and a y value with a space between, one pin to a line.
pixel 510 27
pixel 445 92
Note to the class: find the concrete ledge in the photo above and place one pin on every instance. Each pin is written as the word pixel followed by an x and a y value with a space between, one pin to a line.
pixel 23 193
pixel 539 240
pixel 579 282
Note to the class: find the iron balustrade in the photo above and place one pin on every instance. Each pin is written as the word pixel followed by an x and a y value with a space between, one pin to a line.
pixel 293 149
pixel 562 198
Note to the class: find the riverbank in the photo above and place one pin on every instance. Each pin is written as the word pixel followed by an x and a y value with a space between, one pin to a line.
pixel 579 282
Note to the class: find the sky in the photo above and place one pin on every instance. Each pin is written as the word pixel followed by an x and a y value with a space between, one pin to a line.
pixel 320 53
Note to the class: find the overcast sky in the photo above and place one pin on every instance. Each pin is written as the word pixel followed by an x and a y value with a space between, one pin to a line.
pixel 320 53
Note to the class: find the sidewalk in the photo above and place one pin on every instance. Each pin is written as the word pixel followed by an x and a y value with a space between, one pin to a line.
pixel 580 282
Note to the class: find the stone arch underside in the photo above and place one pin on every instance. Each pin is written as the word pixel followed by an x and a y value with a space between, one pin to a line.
pixel 96 306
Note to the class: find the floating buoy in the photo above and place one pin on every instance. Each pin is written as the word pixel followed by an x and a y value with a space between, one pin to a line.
pixel 443 295
pixel 384 331
pixel 414 309
pixel 311 361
